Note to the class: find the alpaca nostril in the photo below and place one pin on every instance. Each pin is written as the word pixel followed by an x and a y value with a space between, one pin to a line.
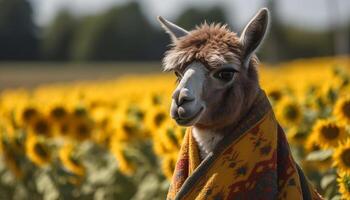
pixel 181 111
pixel 185 96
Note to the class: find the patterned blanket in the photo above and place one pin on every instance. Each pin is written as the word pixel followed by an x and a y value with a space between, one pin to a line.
pixel 254 162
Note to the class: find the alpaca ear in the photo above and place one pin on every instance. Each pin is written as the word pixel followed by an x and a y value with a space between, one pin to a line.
pixel 254 33
pixel 173 30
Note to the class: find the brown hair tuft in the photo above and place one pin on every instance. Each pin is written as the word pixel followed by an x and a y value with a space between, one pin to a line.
pixel 211 44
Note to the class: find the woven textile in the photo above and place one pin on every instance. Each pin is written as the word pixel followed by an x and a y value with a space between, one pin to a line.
pixel 254 162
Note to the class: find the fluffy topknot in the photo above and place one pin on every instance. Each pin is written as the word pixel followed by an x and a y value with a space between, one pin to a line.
pixel 211 44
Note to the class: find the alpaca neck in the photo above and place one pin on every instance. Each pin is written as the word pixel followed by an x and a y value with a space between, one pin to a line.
pixel 208 139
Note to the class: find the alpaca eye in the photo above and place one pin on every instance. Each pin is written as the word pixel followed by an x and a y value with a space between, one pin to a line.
pixel 225 75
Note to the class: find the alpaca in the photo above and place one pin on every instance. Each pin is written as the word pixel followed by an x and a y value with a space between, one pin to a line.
pixel 218 90
pixel 232 77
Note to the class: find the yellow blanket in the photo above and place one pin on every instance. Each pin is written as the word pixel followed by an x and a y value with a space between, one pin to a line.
pixel 254 162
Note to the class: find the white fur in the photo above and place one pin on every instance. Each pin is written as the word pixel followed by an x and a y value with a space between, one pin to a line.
pixel 206 140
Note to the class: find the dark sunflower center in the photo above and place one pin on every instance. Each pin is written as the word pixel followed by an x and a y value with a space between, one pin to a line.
pixel 156 100
pixel 291 112
pixel 28 114
pixel 139 114
pixel 300 135
pixel 58 113
pixel 330 132
pixel 346 109
pixel 275 95
pixel 129 129
pixel 64 128
pixel 345 156
pixel 41 150
pixel 42 127
pixel 80 112
pixel 315 147
pixel 159 118
pixel 83 129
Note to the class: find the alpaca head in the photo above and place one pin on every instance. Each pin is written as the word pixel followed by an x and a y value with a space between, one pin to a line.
pixel 216 71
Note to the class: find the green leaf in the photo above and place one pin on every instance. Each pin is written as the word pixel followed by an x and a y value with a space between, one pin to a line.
pixel 320 155
pixel 328 180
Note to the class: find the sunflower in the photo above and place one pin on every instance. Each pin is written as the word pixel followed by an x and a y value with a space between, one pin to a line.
pixel 154 99
pixel 180 134
pixel 41 126
pixel 296 136
pixel 341 157
pixel 155 118
pixel 135 112
pixel 70 160
pixel 127 129
pixel 168 165
pixel 63 128
pixel 80 112
pixel 289 112
pixel 315 99
pixel 103 119
pixel 158 146
pixel 275 94
pixel 125 165
pixel 342 109
pixel 344 184
pixel 37 151
pixel 168 137
pixel 329 133
pixel 57 113
pixel 101 116
pixel 312 143
pixel 97 103
pixel 26 115
pixel 81 129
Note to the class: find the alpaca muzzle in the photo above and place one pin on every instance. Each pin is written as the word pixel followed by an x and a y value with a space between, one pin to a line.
pixel 187 105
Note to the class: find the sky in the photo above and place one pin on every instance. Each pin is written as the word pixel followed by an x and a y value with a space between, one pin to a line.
pixel 314 14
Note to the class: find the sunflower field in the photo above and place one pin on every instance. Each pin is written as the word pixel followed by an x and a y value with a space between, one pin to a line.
pixel 115 139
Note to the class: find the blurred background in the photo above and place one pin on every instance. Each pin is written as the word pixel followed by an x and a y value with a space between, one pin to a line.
pixel 84 105
pixel 70 33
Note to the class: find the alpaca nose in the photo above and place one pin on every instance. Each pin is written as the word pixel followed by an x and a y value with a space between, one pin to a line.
pixel 184 96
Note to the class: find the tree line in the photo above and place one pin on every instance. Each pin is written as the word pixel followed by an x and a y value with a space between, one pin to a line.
pixel 123 33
